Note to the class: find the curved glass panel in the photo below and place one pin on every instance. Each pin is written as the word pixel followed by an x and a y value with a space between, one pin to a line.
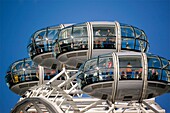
pixel 104 36
pixel 42 41
pixel 22 71
pixel 101 69
pixel 127 31
pixel 9 79
pixel 25 71
pixel 76 37
pixel 158 68
pixel 73 38
pixel 130 67
pixel 98 69
pixel 106 70
pixel 133 38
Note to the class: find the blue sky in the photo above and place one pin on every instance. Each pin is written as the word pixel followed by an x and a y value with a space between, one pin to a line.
pixel 19 19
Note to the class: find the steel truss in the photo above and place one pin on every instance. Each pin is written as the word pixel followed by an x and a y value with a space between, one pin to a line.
pixel 68 98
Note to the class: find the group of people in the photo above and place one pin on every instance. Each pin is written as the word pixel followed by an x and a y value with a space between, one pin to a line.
pixel 109 33
pixel 128 73
pixel 49 74
pixel 104 42
pixel 73 45
pixel 40 45
pixel 23 71
pixel 153 74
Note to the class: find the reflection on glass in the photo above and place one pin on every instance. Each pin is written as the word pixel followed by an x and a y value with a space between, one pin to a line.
pixel 21 71
pixel 26 71
pixel 133 38
pixel 42 41
pixel 158 68
pixel 127 31
pixel 73 38
pixel 96 70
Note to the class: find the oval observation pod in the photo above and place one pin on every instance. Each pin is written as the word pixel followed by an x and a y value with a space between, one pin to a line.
pixel 24 74
pixel 125 76
pixel 80 42
pixel 41 45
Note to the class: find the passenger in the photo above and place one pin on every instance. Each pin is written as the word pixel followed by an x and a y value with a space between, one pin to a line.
pixel 123 75
pixel 53 73
pixel 47 76
pixel 15 69
pixel 109 64
pixel 104 73
pixel 98 33
pixel 107 43
pixel 110 71
pixel 27 66
pixel 39 41
pixel 154 74
pixel 16 79
pixel 127 46
pixel 140 73
pixel 109 33
pixel 129 70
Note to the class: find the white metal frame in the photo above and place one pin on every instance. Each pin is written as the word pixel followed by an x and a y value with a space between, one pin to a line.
pixel 68 98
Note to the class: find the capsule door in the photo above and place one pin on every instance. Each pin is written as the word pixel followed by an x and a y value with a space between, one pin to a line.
pixel 129 79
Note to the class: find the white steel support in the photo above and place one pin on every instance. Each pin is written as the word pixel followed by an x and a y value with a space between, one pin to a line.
pixel 90 39
pixel 37 108
pixel 90 106
pixel 41 74
pixel 57 76
pixel 116 71
pixel 62 99
pixel 144 76
pixel 118 37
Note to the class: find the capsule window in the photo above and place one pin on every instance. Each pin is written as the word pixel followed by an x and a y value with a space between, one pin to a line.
pixel 130 68
pixel 52 34
pixel 104 31
pixel 90 65
pixel 79 31
pixel 154 62
pixel 66 33
pixel 138 32
pixel 127 31
pixel 165 63
pixel 106 70
pixel 104 37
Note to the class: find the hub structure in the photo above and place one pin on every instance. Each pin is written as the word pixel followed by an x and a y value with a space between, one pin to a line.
pixel 91 67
